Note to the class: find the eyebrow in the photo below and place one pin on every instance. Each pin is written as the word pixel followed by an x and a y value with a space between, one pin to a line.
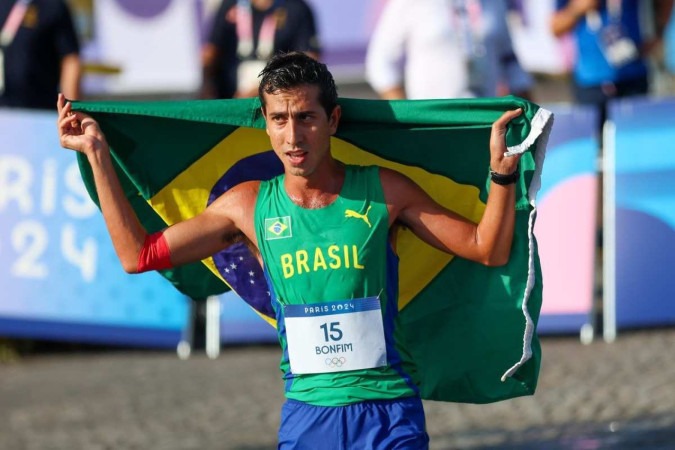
pixel 307 112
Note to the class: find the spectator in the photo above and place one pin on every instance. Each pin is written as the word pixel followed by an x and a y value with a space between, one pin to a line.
pixel 39 49
pixel 611 54
pixel 451 49
pixel 245 34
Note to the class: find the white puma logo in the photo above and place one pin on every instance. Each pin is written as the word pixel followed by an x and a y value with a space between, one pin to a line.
pixel 364 217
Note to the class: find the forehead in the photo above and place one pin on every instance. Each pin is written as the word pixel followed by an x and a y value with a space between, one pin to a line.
pixel 304 97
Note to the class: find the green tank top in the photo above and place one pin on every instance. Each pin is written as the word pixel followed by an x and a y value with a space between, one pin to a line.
pixel 318 260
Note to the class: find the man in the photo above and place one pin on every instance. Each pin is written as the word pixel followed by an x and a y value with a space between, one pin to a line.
pixel 40 49
pixel 322 234
pixel 612 56
pixel 444 49
pixel 245 34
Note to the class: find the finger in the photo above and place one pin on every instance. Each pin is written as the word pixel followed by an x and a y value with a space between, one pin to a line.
pixel 64 129
pixel 510 115
pixel 65 123
pixel 515 112
pixel 74 121
pixel 64 111
pixel 61 106
pixel 70 122
pixel 73 116
pixel 59 102
pixel 505 118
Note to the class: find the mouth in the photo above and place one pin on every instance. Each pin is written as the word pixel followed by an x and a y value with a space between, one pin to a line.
pixel 296 157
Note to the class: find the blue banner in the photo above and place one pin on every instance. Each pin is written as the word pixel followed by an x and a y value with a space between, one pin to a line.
pixel 59 275
pixel 645 211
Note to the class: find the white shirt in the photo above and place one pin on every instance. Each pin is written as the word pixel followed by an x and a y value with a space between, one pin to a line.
pixel 415 46
pixel 423 46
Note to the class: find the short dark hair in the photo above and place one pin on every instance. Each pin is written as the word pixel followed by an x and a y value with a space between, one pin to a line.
pixel 289 70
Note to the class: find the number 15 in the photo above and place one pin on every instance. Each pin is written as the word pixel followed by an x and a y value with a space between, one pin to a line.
pixel 332 334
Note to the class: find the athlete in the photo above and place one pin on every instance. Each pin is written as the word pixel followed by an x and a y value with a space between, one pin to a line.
pixel 323 233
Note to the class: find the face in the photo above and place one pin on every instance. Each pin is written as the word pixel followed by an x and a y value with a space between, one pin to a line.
pixel 299 129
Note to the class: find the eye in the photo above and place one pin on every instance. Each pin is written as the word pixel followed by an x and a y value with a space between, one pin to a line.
pixel 305 117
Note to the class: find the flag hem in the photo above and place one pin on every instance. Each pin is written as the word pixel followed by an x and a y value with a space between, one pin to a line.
pixel 542 122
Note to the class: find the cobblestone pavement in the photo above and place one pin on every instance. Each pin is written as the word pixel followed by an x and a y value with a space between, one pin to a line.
pixel 597 396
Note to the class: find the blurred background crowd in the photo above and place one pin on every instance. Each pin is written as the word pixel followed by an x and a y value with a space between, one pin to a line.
pixel 591 49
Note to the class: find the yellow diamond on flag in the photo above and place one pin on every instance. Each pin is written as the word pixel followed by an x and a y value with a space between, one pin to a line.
pixel 277 228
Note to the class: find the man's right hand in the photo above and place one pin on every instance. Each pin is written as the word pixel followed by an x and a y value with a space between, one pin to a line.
pixel 78 131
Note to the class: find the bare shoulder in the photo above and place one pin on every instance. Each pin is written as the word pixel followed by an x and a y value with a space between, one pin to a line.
pixel 236 206
pixel 397 186
pixel 242 193
pixel 392 176
pixel 401 194
pixel 238 201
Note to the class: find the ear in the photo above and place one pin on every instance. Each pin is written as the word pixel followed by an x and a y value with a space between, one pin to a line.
pixel 334 119
pixel 264 114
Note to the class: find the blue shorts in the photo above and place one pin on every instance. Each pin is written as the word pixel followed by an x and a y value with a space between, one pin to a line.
pixel 382 424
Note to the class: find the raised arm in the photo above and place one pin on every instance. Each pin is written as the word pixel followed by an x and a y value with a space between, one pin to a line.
pixel 566 18
pixel 488 242
pixel 185 242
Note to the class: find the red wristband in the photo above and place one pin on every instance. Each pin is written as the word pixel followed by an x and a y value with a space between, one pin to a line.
pixel 154 254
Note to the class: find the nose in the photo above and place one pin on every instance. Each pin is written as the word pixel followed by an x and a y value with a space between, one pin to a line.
pixel 293 133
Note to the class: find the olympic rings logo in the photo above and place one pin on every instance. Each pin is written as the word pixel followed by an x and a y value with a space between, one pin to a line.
pixel 335 362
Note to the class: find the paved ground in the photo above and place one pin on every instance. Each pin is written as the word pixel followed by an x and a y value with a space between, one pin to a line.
pixel 618 396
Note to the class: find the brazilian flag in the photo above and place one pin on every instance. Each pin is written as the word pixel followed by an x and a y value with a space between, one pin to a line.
pixel 470 329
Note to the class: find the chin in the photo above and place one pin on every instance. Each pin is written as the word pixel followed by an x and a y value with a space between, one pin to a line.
pixel 296 171
pixel 302 170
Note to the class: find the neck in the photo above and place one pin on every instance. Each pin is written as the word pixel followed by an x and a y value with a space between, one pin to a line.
pixel 318 190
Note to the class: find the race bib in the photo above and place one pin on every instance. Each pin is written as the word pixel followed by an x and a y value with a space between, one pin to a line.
pixel 335 336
